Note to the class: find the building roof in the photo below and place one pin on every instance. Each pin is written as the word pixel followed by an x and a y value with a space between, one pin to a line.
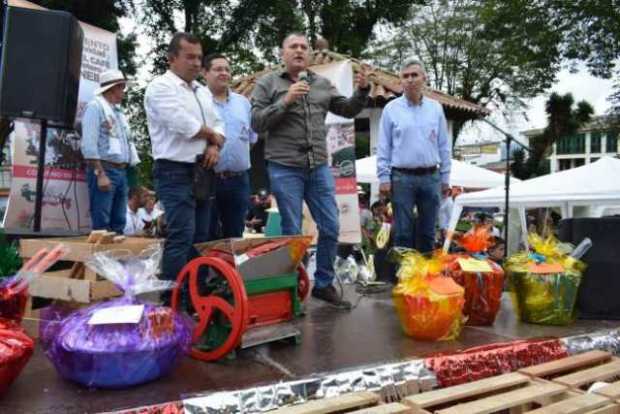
pixel 384 85
pixel 597 123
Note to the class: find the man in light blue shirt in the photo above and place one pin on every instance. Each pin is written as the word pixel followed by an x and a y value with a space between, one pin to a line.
pixel 106 146
pixel 232 182
pixel 413 159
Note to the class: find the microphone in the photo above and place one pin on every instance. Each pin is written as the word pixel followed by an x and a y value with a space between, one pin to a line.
pixel 303 77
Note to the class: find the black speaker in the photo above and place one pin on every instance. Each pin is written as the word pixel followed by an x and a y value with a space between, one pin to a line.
pixel 40 65
pixel 598 294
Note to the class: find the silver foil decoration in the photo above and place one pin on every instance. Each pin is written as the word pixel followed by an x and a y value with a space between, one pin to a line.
pixel 608 340
pixel 392 381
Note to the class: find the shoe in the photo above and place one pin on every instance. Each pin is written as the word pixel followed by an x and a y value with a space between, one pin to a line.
pixel 329 295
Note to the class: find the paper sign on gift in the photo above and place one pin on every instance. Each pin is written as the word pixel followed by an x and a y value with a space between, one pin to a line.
pixel 117 314
pixel 475 266
pixel 545 268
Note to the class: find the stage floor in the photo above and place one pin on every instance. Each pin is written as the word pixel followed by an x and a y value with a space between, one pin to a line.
pixel 332 341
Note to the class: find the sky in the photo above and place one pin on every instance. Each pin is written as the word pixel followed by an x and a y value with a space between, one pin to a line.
pixel 582 85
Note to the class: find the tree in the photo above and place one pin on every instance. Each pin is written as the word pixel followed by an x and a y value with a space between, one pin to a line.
pixel 495 53
pixel 563 119
pixel 584 30
pixel 490 65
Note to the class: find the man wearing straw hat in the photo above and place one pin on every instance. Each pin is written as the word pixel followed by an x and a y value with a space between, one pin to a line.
pixel 108 150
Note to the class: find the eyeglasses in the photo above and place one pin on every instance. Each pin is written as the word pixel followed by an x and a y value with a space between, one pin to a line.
pixel 410 75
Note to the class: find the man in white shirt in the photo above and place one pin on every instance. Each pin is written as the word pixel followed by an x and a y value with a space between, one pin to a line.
pixel 183 124
pixel 134 225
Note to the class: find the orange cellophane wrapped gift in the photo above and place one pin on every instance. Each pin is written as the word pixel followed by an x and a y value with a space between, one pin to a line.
pixel 483 289
pixel 482 278
pixel 428 304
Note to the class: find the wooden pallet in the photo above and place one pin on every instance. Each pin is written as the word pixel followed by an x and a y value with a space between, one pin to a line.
pixel 580 371
pixel 510 393
pixel 363 402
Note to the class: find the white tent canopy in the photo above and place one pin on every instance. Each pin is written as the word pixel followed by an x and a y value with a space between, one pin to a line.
pixel 595 187
pixel 461 174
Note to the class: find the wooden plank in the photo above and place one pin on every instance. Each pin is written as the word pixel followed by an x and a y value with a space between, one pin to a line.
pixel 103 289
pixel 587 359
pixel 393 408
pixel 57 273
pixel 506 400
pixel 471 389
pixel 611 391
pixel 587 376
pixel 80 250
pixel 581 404
pixel 612 409
pixel 333 405
pixel 60 288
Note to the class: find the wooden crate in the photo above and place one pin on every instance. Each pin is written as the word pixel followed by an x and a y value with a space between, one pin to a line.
pixel 510 393
pixel 84 286
pixel 580 371
pixel 363 402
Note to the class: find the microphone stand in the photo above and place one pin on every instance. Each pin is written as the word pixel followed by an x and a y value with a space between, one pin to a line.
pixel 508 139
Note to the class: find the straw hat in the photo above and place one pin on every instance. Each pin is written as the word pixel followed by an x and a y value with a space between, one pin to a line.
pixel 109 79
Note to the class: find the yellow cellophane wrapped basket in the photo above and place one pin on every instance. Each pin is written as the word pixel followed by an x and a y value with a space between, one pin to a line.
pixel 544 285
pixel 429 305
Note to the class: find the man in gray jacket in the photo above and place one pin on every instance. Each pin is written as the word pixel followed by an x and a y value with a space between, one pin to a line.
pixel 290 105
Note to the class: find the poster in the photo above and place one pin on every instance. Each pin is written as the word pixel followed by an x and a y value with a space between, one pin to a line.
pixel 341 151
pixel 65 198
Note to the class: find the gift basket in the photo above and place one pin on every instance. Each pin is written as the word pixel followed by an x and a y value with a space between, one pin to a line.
pixel 544 283
pixel 124 341
pixel 482 278
pixel 16 347
pixel 14 289
pixel 429 305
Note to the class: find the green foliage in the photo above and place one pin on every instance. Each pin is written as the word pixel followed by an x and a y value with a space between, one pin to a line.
pixel 496 52
pixel 564 118
pixel 134 108
pixel 251 35
pixel 10 262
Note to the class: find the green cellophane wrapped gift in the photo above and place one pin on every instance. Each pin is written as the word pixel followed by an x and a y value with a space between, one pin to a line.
pixel 544 283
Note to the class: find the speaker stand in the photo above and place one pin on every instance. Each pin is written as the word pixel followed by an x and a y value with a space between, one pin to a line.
pixel 38 201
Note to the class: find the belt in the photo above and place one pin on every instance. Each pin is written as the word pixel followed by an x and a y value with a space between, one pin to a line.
pixel 229 174
pixel 117 165
pixel 416 171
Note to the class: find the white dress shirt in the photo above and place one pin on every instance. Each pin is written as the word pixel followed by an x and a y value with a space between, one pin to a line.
pixel 175 112
pixel 134 226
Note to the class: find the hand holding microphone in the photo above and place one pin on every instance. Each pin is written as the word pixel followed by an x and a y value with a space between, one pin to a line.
pixel 298 89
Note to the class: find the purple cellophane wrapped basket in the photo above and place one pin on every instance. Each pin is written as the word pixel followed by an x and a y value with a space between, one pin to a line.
pixel 118 355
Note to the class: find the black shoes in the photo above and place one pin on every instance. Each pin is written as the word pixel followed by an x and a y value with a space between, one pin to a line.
pixel 329 295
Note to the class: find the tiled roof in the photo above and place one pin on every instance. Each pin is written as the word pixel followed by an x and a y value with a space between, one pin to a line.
pixel 384 85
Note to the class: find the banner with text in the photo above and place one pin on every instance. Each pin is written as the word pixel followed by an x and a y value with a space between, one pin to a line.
pixel 341 149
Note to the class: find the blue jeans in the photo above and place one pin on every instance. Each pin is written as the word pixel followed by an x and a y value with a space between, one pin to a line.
pixel 291 186
pixel 187 220
pixel 423 192
pixel 108 209
pixel 232 199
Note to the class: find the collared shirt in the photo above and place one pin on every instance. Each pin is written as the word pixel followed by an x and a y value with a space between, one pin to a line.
pixel 236 113
pixel 413 136
pixel 175 112
pixel 134 225
pixel 98 133
pixel 296 133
